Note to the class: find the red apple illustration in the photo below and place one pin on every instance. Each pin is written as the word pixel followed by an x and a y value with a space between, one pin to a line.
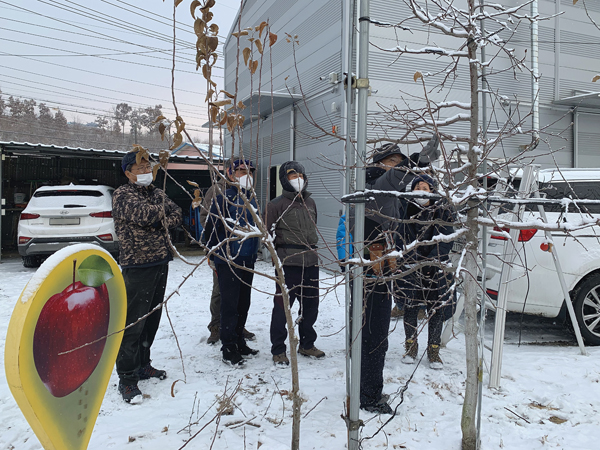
pixel 76 316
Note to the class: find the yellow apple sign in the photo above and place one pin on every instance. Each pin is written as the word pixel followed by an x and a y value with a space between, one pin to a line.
pixel 62 343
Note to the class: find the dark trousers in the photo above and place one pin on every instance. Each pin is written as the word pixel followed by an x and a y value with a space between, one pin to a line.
pixel 434 325
pixel 215 302
pixel 302 284
pixel 235 285
pixel 375 330
pixel 145 290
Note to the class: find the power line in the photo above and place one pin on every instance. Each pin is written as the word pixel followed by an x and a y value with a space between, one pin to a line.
pixel 89 85
pixel 101 74
pixel 98 56
pixel 144 53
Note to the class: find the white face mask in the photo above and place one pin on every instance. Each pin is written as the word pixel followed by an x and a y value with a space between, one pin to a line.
pixel 422 201
pixel 144 179
pixel 297 184
pixel 245 181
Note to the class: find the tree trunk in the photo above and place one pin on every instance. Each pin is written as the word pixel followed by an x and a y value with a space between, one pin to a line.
pixel 469 431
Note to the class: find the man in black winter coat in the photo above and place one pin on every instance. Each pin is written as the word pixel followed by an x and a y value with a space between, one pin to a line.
pixel 390 171
pixel 292 219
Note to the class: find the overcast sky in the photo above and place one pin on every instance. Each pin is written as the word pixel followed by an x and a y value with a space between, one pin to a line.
pixel 86 56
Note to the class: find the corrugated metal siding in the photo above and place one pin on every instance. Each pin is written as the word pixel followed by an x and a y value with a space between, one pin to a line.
pixel 589 140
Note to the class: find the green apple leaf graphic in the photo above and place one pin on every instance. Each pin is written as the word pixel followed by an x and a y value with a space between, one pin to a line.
pixel 94 271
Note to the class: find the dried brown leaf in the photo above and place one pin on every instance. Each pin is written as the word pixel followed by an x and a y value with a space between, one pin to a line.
pixel 207 15
pixel 155 170
pixel 575 2
pixel 557 420
pixel 259 46
pixel 261 28
pixel 596 78
pixel 224 119
pixel 199 27
pixel 209 95
pixel 246 52
pixel 241 105
pixel 241 33
pixel 417 76
pixel 221 103
pixel 180 126
pixel 161 130
pixel 230 123
pixel 193 7
pixel 159 118
pixel 193 183
pixel 206 71
pixel 214 29
pixel 240 120
pixel 177 140
pixel 214 112
pixel 163 157
pixel 173 388
pixel 272 39
pixel 210 4
pixel 253 66
pixel 228 94
pixel 177 2
pixel 212 42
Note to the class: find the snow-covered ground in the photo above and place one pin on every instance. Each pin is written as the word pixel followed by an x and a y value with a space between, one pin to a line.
pixel 541 385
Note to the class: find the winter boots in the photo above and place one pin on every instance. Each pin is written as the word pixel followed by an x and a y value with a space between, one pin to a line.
pixel 148 372
pixel 312 352
pixel 129 392
pixel 281 360
pixel 411 349
pixel 214 335
pixel 433 354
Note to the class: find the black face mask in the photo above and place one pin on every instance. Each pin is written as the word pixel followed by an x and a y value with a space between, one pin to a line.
pixel 372 173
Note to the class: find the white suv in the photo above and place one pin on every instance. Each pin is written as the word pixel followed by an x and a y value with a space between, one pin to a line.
pixel 58 216
pixel 534 286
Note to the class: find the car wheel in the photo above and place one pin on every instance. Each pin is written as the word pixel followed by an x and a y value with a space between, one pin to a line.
pixel 31 261
pixel 587 309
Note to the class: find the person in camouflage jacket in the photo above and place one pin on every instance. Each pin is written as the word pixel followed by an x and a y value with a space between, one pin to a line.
pixel 143 214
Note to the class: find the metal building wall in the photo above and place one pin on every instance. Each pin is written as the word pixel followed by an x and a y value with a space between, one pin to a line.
pixel 290 133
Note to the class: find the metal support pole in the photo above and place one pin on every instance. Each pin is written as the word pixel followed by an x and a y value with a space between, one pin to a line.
pixel 348 187
pixel 362 84
pixel 561 278
pixel 507 258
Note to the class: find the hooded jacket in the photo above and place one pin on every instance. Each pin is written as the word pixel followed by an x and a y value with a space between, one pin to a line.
pixel 292 219
pixel 138 214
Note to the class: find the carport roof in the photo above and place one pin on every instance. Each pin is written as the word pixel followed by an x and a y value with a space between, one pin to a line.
pixel 26 148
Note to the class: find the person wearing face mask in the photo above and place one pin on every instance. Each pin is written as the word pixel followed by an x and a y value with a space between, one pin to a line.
pixel 427 283
pixel 143 216
pixel 390 171
pixel 292 220
pixel 234 256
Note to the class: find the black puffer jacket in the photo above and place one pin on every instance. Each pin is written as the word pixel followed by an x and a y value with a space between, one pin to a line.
pixel 138 213
pixel 383 211
pixel 430 282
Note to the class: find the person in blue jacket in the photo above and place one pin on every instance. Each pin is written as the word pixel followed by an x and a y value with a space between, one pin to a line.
pixel 234 256
pixel 344 250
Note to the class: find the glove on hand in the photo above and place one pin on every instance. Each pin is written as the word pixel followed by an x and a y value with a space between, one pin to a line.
pixel 431 151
